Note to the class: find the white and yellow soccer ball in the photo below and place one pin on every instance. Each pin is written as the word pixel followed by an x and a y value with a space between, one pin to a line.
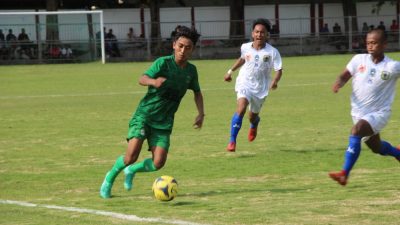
pixel 165 188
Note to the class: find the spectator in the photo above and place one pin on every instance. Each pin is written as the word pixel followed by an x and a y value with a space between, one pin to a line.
pixel 112 44
pixel 11 44
pixel 324 30
pixel 24 42
pixel 2 39
pixel 10 36
pixel 131 35
pixel 66 52
pixel 54 51
pixel 337 29
pixel 274 31
pixel 371 27
pixel 338 37
pixel 394 28
pixel 365 29
pixel 382 26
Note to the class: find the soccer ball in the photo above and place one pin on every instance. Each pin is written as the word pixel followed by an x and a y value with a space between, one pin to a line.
pixel 165 188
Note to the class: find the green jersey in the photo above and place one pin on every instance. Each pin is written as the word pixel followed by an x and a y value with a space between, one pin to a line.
pixel 159 105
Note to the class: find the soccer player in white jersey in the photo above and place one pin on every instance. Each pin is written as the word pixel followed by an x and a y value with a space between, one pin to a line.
pixel 257 60
pixel 374 81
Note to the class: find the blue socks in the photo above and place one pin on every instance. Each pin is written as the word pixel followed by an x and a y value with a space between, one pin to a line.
pixel 352 153
pixel 254 125
pixel 388 149
pixel 236 124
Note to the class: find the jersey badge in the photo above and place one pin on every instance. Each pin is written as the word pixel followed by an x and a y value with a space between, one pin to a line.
pixel 266 58
pixel 385 75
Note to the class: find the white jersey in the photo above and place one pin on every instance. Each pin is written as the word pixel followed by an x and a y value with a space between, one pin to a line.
pixel 255 74
pixel 373 84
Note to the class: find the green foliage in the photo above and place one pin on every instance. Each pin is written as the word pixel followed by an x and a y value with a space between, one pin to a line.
pixel 63 126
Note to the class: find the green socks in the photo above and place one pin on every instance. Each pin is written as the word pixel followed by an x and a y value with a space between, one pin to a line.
pixel 146 165
pixel 118 167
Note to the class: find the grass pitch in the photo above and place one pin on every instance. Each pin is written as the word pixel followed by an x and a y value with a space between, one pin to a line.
pixel 63 126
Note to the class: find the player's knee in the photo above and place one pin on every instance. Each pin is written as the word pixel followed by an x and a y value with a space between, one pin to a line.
pixel 159 164
pixel 376 150
pixel 128 160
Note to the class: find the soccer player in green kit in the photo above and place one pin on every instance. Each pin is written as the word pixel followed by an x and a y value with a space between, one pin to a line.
pixel 167 79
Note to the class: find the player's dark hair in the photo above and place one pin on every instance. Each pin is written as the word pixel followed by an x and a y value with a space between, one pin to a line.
pixel 190 33
pixel 381 32
pixel 263 22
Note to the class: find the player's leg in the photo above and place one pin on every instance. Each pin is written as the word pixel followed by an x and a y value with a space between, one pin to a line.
pixel 361 129
pixel 131 155
pixel 379 121
pixel 254 110
pixel 236 122
pixel 159 141
pixel 382 147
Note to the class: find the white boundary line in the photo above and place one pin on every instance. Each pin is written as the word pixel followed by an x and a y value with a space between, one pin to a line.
pixel 134 92
pixel 99 212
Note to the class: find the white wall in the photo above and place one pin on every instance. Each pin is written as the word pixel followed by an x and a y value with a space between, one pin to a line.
pixel 212 21
pixel 294 19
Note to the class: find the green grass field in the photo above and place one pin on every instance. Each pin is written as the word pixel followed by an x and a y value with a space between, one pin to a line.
pixel 63 126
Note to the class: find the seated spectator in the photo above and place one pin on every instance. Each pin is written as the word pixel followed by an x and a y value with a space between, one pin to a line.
pixel 2 39
pixel 365 29
pixel 54 51
pixel 66 52
pixel 382 26
pixel 11 44
pixel 25 43
pixel 394 30
pixel 274 31
pixel 337 29
pixel 112 48
pixel 131 35
pixel 338 37
pixel 394 27
pixel 324 30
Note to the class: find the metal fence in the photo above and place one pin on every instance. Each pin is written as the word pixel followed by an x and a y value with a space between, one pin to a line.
pixel 300 36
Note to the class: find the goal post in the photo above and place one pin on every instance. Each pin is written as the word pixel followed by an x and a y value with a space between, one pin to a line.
pixel 53 36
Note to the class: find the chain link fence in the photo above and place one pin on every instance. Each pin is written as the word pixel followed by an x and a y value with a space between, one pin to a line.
pixel 78 43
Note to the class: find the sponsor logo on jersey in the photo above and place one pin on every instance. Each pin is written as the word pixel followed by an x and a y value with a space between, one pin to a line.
pixel 372 72
pixel 361 68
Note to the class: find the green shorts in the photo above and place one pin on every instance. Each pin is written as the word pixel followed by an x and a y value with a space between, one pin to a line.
pixel 138 128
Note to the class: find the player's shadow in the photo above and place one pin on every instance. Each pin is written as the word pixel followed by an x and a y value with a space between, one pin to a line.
pixel 183 203
pixel 306 151
pixel 225 192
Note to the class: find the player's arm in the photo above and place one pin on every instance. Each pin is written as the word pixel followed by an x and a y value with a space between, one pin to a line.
pixel 198 99
pixel 274 83
pixel 238 64
pixel 148 81
pixel 341 80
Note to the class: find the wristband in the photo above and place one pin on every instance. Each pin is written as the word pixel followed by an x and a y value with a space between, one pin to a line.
pixel 230 71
